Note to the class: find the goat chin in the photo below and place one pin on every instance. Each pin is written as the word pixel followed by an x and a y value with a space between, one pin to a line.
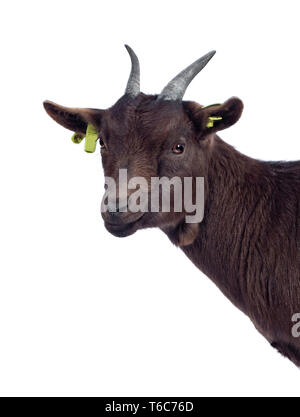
pixel 122 230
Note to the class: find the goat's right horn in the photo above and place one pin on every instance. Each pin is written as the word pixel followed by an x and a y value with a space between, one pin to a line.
pixel 176 88
pixel 133 84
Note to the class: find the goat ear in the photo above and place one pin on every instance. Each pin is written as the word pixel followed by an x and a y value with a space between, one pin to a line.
pixel 216 117
pixel 74 119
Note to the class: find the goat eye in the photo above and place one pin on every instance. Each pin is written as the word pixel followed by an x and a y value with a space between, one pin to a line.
pixel 179 148
pixel 102 144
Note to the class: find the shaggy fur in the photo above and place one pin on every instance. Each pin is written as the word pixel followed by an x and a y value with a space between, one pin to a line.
pixel 248 243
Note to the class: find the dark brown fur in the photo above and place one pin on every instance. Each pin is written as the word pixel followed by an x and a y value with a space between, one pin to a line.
pixel 248 242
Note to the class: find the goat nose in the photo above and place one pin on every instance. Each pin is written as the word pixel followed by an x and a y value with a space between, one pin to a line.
pixel 118 206
pixel 121 206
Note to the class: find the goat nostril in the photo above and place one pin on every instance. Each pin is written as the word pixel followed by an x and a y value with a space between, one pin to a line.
pixel 117 206
pixel 121 208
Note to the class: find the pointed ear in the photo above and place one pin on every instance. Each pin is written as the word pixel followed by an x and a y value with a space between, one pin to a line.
pixel 74 119
pixel 216 117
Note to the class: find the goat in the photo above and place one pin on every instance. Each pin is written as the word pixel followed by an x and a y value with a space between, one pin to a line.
pixel 248 243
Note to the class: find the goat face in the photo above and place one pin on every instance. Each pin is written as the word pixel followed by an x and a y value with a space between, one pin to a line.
pixel 151 137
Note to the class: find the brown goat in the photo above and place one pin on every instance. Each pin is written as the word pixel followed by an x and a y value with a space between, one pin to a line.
pixel 249 240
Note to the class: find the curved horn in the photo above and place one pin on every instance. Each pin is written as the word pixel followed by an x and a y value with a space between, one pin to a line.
pixel 176 88
pixel 133 84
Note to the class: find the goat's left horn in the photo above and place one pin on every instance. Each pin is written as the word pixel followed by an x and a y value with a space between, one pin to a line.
pixel 133 84
pixel 177 86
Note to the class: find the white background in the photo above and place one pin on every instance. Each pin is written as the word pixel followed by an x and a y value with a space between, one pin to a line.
pixel 85 313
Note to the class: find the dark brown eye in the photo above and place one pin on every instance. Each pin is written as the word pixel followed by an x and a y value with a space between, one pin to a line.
pixel 179 148
pixel 102 144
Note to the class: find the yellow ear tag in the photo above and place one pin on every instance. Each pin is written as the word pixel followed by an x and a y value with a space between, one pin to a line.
pixel 77 138
pixel 91 138
pixel 211 121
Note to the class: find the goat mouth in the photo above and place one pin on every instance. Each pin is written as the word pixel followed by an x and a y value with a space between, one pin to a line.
pixel 123 230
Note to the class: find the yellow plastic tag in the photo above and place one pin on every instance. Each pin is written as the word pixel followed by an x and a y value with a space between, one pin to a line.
pixel 91 138
pixel 77 138
pixel 211 121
